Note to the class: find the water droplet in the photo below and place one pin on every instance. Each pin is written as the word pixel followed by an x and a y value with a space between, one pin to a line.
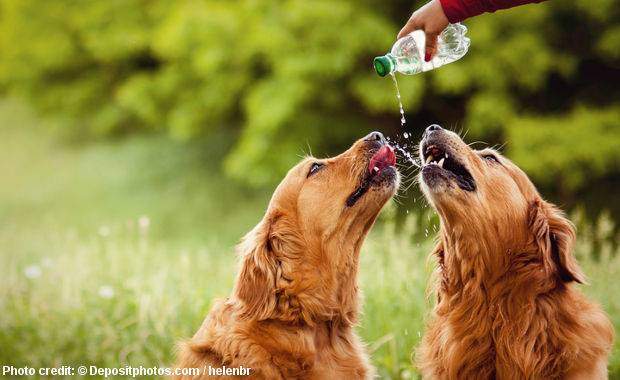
pixel 405 154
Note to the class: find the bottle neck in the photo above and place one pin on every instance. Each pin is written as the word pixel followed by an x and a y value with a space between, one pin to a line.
pixel 385 64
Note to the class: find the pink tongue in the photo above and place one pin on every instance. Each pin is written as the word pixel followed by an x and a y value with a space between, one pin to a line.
pixel 383 158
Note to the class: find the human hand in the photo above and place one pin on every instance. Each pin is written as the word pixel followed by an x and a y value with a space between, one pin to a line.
pixel 432 20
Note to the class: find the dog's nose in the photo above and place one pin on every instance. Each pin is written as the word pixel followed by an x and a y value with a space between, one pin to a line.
pixel 433 127
pixel 375 136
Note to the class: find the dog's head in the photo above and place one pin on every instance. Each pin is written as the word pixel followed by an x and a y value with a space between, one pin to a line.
pixel 481 194
pixel 300 261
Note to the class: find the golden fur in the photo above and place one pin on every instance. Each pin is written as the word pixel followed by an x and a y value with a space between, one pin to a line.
pixel 507 306
pixel 295 303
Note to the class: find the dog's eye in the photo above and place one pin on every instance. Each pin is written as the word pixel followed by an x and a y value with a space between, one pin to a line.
pixel 490 158
pixel 315 168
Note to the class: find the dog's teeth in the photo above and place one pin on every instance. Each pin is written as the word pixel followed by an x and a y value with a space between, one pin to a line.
pixel 429 159
pixel 376 169
pixel 441 162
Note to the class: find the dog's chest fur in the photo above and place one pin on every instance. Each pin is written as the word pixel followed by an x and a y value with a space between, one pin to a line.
pixel 490 328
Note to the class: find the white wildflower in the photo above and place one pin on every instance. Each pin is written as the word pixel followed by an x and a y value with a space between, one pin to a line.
pixel 33 271
pixel 144 222
pixel 104 231
pixel 106 291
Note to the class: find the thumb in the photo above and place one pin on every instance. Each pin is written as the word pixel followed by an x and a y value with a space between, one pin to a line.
pixel 431 46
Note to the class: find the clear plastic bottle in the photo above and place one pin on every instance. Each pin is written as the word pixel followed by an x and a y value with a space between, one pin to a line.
pixel 407 55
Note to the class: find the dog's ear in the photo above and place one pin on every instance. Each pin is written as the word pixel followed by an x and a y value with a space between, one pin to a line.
pixel 555 237
pixel 256 282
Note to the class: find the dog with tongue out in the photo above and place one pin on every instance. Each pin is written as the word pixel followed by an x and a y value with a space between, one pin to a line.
pixel 293 310
pixel 381 170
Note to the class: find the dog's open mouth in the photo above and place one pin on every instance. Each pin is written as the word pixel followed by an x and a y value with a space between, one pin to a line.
pixel 381 169
pixel 437 158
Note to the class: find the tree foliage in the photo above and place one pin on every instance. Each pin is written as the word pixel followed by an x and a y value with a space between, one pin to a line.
pixel 282 75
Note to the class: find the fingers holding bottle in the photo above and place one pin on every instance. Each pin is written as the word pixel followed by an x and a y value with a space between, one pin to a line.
pixel 432 20
pixel 430 47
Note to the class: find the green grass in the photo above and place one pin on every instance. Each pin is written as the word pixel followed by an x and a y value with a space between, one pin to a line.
pixel 85 280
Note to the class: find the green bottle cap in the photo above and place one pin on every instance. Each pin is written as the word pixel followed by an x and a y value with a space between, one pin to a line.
pixel 383 65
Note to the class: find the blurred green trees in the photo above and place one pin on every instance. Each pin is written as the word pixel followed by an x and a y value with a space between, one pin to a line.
pixel 281 75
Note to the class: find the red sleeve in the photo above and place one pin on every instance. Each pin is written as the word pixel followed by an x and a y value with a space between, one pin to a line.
pixel 459 10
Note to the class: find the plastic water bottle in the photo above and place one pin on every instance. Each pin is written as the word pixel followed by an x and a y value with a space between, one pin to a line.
pixel 407 55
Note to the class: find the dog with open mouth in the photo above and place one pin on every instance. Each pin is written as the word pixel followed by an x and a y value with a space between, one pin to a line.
pixel 507 306
pixel 293 310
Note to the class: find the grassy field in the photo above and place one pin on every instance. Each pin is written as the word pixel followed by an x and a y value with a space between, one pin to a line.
pixel 113 251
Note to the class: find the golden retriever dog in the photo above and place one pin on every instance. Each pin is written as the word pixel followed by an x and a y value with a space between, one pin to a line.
pixel 295 303
pixel 507 306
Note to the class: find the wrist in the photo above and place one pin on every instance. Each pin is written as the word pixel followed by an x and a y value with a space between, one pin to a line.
pixel 452 9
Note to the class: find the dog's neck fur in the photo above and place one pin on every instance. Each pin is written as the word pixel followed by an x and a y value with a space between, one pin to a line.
pixel 340 308
pixel 467 256
pixel 330 299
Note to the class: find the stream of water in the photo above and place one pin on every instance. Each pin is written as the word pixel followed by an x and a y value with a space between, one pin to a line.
pixel 400 102
pixel 404 146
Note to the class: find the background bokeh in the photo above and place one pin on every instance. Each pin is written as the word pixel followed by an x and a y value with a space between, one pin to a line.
pixel 140 139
